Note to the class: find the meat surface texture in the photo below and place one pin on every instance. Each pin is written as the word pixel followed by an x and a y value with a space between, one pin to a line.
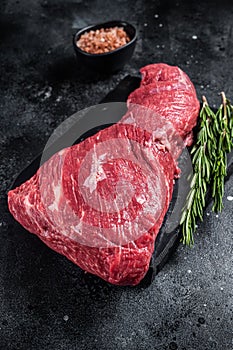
pixel 61 203
pixel 102 202
pixel 169 92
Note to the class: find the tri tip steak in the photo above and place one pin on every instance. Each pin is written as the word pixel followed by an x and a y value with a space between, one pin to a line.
pixel 102 202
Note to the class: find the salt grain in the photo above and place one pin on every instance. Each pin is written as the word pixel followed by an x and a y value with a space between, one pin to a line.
pixel 48 93
pixel 65 318
pixel 145 24
pixel 156 16
pixel 103 40
pixel 189 271
pixel 194 37
pixel 229 198
pixel 216 216
pixel 160 25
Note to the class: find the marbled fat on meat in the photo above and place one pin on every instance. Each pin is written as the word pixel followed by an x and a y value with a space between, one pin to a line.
pixel 101 203
pixel 169 92
pixel 51 204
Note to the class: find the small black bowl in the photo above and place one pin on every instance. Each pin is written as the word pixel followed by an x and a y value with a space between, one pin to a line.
pixel 108 62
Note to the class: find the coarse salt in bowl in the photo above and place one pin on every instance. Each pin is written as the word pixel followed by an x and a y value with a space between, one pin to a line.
pixel 105 47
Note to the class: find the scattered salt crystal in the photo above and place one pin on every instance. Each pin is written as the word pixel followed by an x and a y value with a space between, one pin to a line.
pixel 189 271
pixel 216 216
pixel 194 37
pixel 196 226
pixel 156 16
pixel 204 305
pixel 229 198
pixel 157 46
pixel 65 318
pixel 202 86
pixel 163 46
pixel 40 93
pixel 160 25
pixel 145 24
pixel 221 288
pixel 48 93
pixel 208 214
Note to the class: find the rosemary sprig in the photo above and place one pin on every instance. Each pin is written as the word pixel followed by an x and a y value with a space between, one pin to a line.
pixel 209 159
pixel 202 153
pixel 230 113
pixel 222 129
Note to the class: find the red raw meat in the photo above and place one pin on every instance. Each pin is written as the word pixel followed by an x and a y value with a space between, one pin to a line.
pixel 61 202
pixel 169 92
pixel 101 203
pixel 163 72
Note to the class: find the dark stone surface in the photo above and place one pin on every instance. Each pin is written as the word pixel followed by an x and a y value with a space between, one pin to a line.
pixel 189 305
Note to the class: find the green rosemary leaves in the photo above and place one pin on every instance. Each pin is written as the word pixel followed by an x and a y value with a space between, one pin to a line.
pixel 209 159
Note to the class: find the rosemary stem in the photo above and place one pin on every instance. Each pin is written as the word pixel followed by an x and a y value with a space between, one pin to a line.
pixel 209 159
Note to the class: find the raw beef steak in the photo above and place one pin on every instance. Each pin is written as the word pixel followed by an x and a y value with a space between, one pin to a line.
pixel 101 202
pixel 169 92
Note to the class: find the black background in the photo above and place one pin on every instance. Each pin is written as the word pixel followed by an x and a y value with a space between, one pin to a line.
pixel 189 305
